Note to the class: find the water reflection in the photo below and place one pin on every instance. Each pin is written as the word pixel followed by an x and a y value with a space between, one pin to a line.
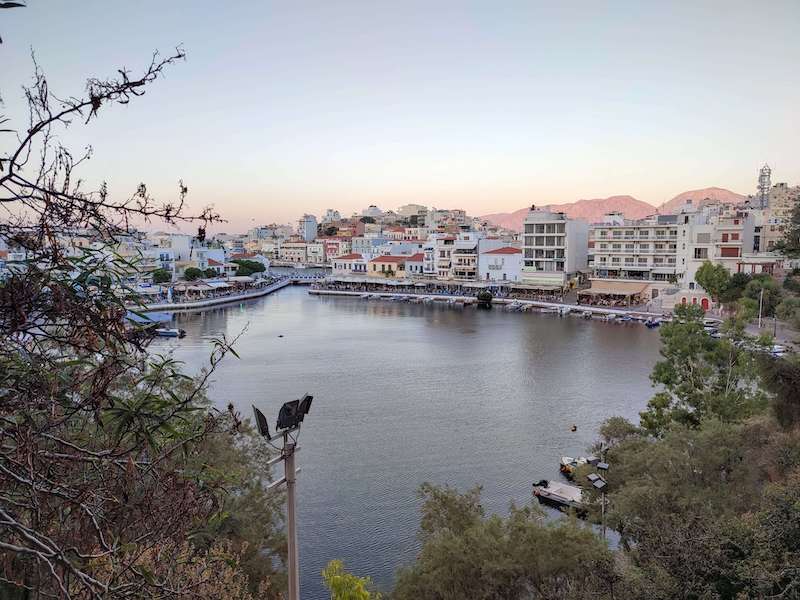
pixel 406 393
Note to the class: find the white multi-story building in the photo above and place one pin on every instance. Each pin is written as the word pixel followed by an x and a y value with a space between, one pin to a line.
pixel 331 216
pixel 307 227
pixel 642 250
pixel 554 248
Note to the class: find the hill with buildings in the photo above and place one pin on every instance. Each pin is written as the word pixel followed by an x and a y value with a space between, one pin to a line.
pixel 588 210
pixel 593 210
pixel 703 196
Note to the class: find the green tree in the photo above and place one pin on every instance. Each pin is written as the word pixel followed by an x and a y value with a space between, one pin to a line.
pixel 192 273
pixel 771 297
pixel 735 287
pixel 699 376
pixel 367 219
pixel 210 273
pixel 345 586
pixel 713 278
pixel 790 244
pixel 466 555
pixel 249 267
pixel 162 276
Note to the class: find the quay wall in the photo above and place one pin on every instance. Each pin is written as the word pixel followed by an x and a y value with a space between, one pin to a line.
pixel 595 310
pixel 219 300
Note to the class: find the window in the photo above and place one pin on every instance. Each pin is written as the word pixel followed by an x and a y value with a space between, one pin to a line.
pixel 701 253
pixel 724 237
pixel 615 260
pixel 616 247
pixel 734 236
pixel 644 246
pixel 703 238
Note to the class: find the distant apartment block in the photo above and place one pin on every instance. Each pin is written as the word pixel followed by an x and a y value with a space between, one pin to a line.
pixel 554 248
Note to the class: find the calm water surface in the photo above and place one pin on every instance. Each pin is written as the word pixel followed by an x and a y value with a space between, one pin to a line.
pixel 407 393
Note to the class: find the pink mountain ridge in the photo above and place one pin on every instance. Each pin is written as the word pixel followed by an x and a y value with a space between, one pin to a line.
pixel 593 210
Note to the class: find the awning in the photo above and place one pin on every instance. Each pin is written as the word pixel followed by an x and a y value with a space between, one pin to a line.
pixel 533 286
pixel 615 288
pixel 218 284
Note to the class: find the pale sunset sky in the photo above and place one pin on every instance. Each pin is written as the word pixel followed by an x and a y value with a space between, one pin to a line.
pixel 291 107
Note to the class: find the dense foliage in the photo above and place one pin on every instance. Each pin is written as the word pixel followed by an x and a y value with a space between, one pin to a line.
pixel 117 478
pixel 249 267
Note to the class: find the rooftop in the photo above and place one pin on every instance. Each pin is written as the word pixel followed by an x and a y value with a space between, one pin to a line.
pixel 505 250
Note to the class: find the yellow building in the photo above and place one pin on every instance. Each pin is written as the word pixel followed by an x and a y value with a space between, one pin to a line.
pixel 388 267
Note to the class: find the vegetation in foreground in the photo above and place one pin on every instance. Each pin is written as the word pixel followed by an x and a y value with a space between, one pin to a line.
pixel 117 478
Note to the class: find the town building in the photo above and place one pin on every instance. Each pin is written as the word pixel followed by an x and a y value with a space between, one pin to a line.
pixel 348 264
pixel 500 264
pixel 415 265
pixel 307 227
pixel 641 250
pixel 554 249
pixel 387 266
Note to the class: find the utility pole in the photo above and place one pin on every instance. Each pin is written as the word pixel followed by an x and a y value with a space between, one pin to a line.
pixel 760 306
pixel 289 418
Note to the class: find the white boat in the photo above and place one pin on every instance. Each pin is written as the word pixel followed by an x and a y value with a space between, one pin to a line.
pixel 170 332
pixel 560 495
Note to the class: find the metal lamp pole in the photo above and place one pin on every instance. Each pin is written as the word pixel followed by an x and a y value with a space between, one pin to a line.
pixel 289 419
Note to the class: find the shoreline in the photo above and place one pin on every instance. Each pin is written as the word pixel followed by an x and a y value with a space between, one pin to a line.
pixel 599 310
pixel 205 303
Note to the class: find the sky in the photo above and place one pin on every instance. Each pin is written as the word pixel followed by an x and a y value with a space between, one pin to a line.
pixel 285 108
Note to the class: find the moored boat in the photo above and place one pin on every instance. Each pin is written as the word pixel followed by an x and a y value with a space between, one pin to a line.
pixel 560 495
pixel 170 332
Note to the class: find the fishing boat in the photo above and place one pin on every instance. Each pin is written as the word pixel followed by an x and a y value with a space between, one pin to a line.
pixel 560 495
pixel 170 332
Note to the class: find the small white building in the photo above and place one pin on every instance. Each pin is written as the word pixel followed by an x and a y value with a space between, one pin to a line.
pixel 348 264
pixel 500 264
pixel 415 265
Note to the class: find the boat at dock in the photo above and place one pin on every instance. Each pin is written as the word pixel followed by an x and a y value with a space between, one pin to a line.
pixel 559 495
pixel 170 332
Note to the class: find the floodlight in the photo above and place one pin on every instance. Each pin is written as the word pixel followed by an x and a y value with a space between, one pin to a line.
pixel 600 483
pixel 261 423
pixel 304 406
pixel 288 417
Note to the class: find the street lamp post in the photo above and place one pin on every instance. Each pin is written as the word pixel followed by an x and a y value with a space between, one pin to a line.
pixel 290 417
pixel 600 484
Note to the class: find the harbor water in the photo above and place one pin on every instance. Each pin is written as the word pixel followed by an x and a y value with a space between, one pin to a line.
pixel 408 393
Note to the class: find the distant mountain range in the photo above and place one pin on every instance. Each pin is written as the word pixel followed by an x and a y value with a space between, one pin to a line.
pixel 594 210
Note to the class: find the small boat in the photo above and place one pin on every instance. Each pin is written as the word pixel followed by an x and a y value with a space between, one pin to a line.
pixel 365 296
pixel 560 495
pixel 170 332
pixel 624 318
pixel 564 311
pixel 568 465
pixel 587 314
pixel 652 323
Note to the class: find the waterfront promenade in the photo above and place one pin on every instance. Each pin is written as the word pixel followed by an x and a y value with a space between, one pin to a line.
pixel 560 306
pixel 224 299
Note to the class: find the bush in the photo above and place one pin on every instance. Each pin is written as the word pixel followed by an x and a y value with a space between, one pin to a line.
pixel 248 267
pixel 789 310
pixel 192 273
pixel 210 273
pixel 162 276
